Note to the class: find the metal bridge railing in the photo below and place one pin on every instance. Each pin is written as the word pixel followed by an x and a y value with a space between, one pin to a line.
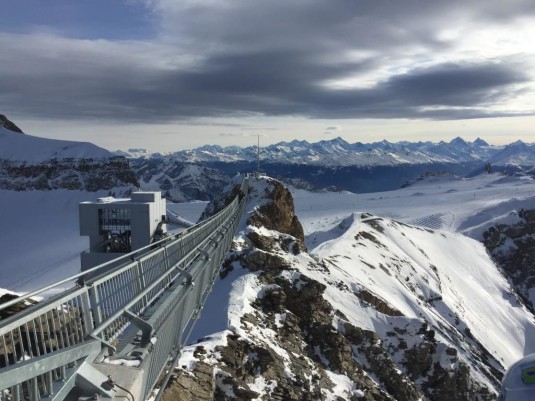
pixel 144 307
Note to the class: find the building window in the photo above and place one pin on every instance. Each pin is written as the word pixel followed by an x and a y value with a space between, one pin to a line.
pixel 115 220
pixel 115 226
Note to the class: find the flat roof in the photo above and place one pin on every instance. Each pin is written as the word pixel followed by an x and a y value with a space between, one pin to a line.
pixel 137 198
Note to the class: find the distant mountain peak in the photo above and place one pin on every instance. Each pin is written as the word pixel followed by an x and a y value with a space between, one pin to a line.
pixel 517 143
pixel 7 124
pixel 480 142
pixel 337 140
pixel 458 141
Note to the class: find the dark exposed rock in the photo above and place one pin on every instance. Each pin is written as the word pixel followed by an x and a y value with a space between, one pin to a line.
pixel 74 174
pixel 279 214
pixel 419 359
pixel 219 202
pixel 198 386
pixel 513 248
pixel 7 124
pixel 454 385
pixel 269 263
pixel 378 303
pixel 16 308
pixel 262 242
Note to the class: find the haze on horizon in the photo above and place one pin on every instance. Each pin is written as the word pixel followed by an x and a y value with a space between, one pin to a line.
pixel 167 75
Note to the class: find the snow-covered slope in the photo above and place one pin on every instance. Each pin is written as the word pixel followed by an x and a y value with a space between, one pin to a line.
pixel 31 149
pixel 445 201
pixel 445 278
pixel 40 240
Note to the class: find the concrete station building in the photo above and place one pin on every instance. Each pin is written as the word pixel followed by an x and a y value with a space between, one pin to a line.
pixel 119 226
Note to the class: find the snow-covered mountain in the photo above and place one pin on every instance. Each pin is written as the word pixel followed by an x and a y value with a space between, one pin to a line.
pixel 377 310
pixel 382 304
pixel 377 296
pixel 178 181
pixel 29 162
pixel 511 242
pixel 338 152
pixel 337 164
pixel 517 154
pixel 31 149
pixel 133 153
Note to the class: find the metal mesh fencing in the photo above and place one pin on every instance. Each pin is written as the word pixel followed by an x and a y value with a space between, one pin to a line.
pixel 156 291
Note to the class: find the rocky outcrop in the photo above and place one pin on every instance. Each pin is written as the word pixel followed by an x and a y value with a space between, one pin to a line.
pixel 512 246
pixel 200 385
pixel 74 174
pixel 278 212
pixel 287 340
pixel 7 124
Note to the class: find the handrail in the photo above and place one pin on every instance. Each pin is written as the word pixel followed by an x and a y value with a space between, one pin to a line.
pixel 142 295
pixel 126 257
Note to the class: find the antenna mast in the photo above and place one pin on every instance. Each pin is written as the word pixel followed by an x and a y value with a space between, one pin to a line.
pixel 258 157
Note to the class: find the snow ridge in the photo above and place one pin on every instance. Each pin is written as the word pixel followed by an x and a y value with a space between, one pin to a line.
pixel 32 150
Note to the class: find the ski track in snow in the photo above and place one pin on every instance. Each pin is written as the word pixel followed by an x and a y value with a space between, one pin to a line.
pixel 448 205
pixel 435 221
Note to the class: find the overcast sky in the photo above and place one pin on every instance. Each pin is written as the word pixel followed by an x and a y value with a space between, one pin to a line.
pixel 175 74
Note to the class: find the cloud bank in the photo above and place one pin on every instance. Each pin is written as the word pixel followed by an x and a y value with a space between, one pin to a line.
pixel 313 59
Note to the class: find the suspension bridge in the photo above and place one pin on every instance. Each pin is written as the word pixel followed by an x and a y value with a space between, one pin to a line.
pixel 113 333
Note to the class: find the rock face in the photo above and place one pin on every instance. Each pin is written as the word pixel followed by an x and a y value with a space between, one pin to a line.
pixel 513 248
pixel 7 124
pixel 278 213
pixel 288 340
pixel 74 174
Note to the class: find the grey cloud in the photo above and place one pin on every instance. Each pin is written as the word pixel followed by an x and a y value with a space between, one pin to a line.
pixel 267 58
pixel 455 84
pixel 261 83
pixel 232 134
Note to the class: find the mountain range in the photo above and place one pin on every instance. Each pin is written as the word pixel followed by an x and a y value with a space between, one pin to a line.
pixel 338 152
pixel 331 164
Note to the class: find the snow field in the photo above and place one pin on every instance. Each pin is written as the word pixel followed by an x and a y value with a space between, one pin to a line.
pixel 444 278
pixel 453 204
